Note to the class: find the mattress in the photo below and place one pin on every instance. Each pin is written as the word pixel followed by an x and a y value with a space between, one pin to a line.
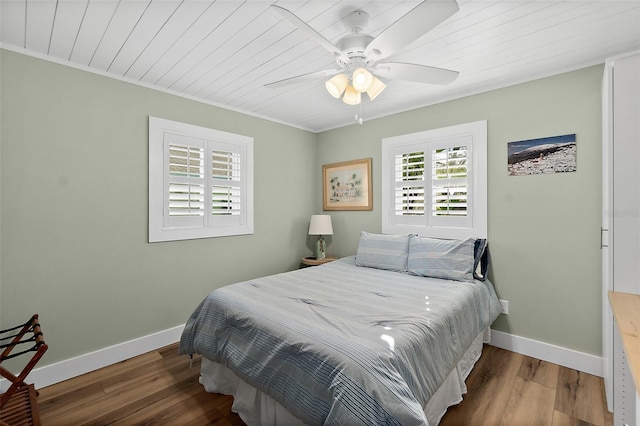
pixel 341 344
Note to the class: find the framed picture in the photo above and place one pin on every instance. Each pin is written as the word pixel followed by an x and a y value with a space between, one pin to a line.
pixel 554 154
pixel 347 185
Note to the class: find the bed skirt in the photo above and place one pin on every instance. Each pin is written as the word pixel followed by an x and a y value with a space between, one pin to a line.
pixel 256 408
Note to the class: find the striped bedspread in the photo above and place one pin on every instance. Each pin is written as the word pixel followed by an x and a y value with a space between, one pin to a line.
pixel 339 344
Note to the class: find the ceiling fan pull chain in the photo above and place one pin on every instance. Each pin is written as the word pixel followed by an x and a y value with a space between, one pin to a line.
pixel 359 116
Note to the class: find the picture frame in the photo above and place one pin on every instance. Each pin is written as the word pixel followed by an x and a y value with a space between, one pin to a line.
pixel 347 185
pixel 553 154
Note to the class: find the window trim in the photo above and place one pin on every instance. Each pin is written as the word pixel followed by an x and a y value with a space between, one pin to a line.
pixel 477 182
pixel 158 182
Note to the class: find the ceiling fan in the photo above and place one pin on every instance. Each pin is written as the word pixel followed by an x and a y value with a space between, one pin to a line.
pixel 359 55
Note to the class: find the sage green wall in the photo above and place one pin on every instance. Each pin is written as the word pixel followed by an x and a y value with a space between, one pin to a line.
pixel 544 231
pixel 73 205
pixel 74 219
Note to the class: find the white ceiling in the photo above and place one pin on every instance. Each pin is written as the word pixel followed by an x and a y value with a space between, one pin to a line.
pixel 223 52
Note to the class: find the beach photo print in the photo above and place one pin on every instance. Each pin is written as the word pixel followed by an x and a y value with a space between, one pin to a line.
pixel 555 154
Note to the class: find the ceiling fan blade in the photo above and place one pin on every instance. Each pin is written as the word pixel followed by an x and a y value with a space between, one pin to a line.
pixel 415 72
pixel 417 22
pixel 302 78
pixel 305 28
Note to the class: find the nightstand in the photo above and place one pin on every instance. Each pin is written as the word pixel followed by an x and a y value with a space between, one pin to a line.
pixel 312 261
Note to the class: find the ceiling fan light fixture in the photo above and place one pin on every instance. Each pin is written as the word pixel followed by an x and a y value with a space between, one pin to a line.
pixel 376 88
pixel 351 96
pixel 337 84
pixel 357 53
pixel 362 79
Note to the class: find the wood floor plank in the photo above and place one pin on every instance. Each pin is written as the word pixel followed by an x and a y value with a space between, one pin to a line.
pixel 90 412
pixel 580 395
pixel 180 367
pixel 57 405
pixel 530 403
pixel 152 371
pixel 563 419
pixel 89 380
pixel 191 409
pixel 151 407
pixel 589 400
pixel 489 389
pixel 566 395
pixel 539 371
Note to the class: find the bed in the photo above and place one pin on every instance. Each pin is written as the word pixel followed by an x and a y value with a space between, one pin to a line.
pixel 383 337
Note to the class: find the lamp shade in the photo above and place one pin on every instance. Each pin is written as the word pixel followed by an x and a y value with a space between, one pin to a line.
pixel 351 96
pixel 336 85
pixel 377 86
pixel 320 225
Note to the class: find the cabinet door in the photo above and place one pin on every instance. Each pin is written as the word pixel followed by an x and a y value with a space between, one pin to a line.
pixel 621 216
pixel 620 220
pixel 606 231
pixel 626 174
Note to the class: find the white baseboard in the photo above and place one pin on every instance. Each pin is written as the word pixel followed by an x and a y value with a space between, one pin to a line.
pixel 546 352
pixel 73 367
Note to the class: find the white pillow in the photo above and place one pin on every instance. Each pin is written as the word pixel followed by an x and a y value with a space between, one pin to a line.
pixel 382 251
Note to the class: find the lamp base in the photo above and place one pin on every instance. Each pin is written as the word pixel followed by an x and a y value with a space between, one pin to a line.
pixel 320 253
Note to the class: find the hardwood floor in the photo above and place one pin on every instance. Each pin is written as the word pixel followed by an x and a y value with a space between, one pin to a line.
pixel 505 388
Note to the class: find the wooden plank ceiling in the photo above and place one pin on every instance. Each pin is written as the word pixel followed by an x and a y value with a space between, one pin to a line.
pixel 224 52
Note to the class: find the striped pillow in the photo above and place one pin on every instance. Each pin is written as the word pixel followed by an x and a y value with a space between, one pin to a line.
pixel 448 259
pixel 381 251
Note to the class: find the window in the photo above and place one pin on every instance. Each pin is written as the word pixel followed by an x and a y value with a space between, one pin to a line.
pixel 200 182
pixel 434 183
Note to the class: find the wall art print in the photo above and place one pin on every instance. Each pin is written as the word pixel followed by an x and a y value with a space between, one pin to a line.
pixel 347 185
pixel 555 154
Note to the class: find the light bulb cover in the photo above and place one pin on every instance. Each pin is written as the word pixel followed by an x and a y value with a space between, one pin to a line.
pixel 351 96
pixel 336 85
pixel 376 88
pixel 362 79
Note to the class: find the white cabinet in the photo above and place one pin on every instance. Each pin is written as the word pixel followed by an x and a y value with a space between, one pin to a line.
pixel 620 221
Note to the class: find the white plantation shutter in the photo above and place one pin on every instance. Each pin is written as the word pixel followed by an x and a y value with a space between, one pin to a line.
pixel 200 182
pixel 428 182
pixel 226 188
pixel 449 181
pixel 449 175
pixel 409 184
pixel 228 185
pixel 185 182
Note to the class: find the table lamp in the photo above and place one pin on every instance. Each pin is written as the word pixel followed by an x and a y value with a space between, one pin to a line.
pixel 320 225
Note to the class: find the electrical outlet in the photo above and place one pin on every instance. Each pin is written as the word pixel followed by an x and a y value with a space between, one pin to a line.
pixel 505 306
